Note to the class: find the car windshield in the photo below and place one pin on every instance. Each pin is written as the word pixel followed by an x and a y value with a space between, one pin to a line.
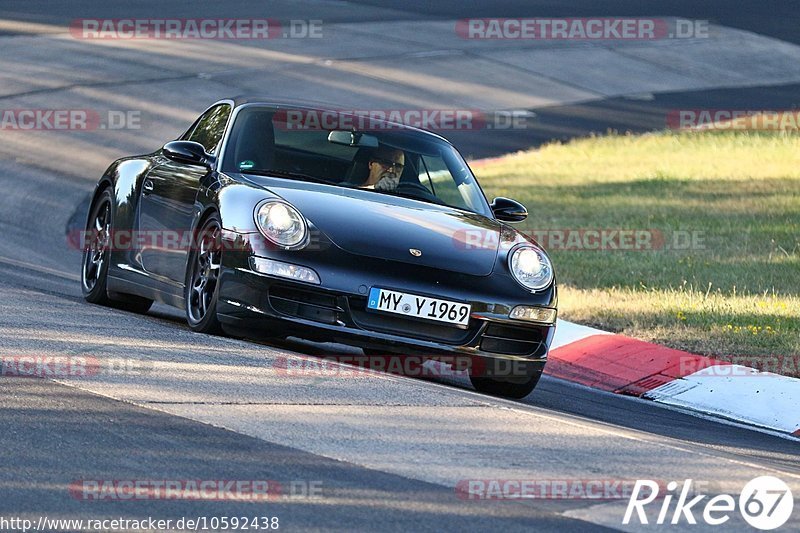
pixel 382 158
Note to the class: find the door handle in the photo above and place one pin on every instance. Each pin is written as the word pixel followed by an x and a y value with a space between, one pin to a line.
pixel 147 187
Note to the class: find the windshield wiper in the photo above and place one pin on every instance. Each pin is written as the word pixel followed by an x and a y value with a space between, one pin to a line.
pixel 287 174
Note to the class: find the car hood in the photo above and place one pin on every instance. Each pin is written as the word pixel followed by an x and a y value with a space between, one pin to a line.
pixel 388 227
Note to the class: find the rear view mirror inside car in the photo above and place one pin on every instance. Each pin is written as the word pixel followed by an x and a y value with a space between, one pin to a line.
pixel 352 138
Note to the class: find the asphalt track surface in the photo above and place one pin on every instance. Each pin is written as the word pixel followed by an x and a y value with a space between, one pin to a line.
pixel 374 477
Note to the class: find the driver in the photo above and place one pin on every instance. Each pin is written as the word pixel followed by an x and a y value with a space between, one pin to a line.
pixel 385 168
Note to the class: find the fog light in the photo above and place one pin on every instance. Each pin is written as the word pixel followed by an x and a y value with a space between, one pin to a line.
pixel 544 315
pixel 284 270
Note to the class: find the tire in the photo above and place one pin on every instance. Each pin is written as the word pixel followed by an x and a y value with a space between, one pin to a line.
pixel 490 376
pixel 202 278
pixel 96 256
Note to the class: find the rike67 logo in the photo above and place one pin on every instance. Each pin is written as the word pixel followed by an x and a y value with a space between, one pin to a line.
pixel 765 503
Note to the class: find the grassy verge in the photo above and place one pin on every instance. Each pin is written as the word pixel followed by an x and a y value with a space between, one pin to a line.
pixel 719 272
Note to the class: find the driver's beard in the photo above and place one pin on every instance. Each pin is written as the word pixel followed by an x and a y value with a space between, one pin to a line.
pixel 387 182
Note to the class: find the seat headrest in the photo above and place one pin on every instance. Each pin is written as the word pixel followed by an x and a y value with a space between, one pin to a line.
pixel 359 169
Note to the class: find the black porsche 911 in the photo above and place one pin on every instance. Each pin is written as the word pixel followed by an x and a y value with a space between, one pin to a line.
pixel 378 237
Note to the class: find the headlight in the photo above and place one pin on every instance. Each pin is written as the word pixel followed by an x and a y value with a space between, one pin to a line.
pixel 281 223
pixel 531 267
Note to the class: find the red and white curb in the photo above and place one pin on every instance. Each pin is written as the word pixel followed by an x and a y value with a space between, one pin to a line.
pixel 629 366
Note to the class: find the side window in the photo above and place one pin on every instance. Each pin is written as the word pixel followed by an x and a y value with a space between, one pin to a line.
pixel 436 177
pixel 211 127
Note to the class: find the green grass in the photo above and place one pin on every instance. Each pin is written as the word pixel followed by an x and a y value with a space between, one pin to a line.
pixel 735 292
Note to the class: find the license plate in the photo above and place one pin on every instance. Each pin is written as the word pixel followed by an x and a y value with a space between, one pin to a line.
pixel 411 305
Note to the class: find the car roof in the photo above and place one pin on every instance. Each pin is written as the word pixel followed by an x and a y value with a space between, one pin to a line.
pixel 313 105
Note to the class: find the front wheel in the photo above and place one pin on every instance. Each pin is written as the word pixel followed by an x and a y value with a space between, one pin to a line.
pixel 202 278
pixel 504 377
pixel 96 256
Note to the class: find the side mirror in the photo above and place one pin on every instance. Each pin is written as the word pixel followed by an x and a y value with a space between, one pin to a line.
pixel 508 210
pixel 188 152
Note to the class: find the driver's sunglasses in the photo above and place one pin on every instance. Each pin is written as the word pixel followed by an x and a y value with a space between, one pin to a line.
pixel 390 164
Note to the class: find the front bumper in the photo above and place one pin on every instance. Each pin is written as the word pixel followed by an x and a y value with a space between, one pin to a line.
pixel 259 305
